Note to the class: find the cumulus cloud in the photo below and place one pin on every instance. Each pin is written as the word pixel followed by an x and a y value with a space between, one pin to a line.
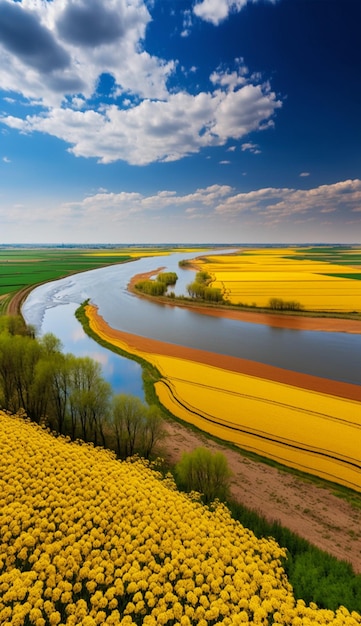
pixel 282 203
pixel 131 216
pixel 215 11
pixel 54 54
pixel 52 50
pixel 22 35
pixel 271 204
pixel 156 130
pixel 91 23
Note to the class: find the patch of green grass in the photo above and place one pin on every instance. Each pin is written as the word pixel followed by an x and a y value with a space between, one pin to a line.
pixel 23 268
pixel 341 275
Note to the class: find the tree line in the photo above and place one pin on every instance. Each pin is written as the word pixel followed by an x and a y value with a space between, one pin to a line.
pixel 200 290
pixel 69 394
pixel 159 286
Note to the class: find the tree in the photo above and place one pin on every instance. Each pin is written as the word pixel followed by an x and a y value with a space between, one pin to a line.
pixel 128 417
pixel 153 431
pixel 89 399
pixel 169 278
pixel 7 373
pixel 204 472
pixel 56 371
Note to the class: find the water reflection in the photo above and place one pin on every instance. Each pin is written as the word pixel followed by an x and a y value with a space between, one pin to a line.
pixel 124 375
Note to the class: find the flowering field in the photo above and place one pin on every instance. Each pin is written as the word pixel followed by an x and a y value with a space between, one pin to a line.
pixel 87 540
pixel 311 431
pixel 320 281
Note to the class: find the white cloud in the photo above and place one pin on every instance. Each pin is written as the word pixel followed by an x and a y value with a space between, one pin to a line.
pixel 271 204
pixel 215 11
pixel 54 54
pixel 50 50
pixel 6 159
pixel 284 202
pixel 156 130
pixel 250 147
pixel 217 213
pixel 304 174
pixel 187 23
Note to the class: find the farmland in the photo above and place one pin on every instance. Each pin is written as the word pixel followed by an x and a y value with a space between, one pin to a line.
pixel 22 268
pixel 312 429
pixel 92 540
pixel 318 279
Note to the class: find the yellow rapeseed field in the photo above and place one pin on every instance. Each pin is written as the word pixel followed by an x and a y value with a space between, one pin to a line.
pixel 311 431
pixel 89 540
pixel 255 276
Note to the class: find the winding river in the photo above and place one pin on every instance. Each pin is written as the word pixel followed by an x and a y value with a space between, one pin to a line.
pixel 50 308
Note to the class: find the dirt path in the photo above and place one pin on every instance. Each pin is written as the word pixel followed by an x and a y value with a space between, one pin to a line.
pixel 14 306
pixel 313 512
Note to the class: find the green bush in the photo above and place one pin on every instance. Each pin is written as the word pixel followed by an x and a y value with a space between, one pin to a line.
pixel 169 278
pixel 277 304
pixel 205 473
pixel 151 287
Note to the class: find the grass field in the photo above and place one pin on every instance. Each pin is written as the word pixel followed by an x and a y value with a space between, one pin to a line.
pixel 319 279
pixel 20 268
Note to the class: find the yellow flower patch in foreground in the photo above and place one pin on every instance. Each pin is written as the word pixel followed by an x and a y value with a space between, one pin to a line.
pixel 87 540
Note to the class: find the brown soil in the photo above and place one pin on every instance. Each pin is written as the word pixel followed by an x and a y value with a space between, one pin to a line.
pixel 16 301
pixel 311 511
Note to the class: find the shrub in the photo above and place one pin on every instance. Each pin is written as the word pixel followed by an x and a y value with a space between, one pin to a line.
pixel 169 278
pixel 204 472
pixel 151 287
pixel 277 304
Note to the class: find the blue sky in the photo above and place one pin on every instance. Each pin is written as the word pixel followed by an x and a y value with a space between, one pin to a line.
pixel 130 121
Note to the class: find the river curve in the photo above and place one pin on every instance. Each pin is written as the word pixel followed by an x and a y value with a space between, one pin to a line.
pixel 50 308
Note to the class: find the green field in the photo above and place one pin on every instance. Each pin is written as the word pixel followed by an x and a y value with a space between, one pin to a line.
pixel 21 268
pixel 339 255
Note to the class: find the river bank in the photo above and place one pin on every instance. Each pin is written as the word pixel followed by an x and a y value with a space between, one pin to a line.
pixel 310 508
pixel 292 322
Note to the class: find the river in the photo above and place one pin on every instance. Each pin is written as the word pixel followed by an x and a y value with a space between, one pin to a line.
pixel 50 308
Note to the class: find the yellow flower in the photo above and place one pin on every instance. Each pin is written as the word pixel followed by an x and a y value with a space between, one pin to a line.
pixel 54 618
